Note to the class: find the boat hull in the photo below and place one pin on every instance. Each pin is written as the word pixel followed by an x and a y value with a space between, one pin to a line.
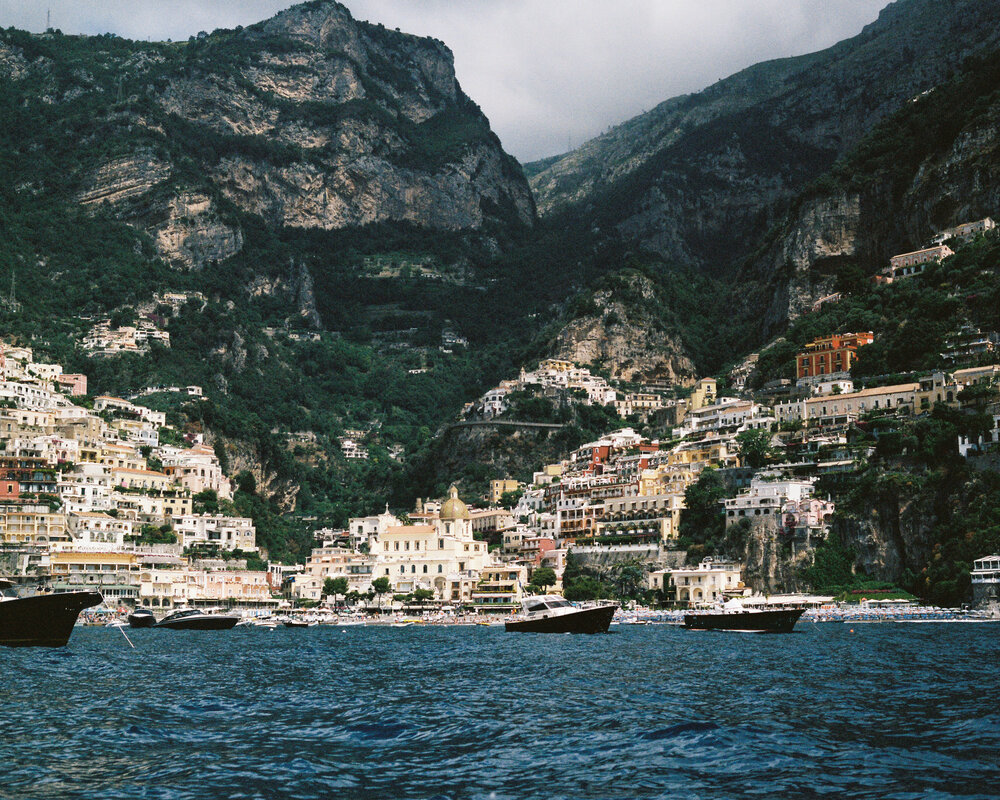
pixel 776 621
pixel 45 620
pixel 585 620
pixel 200 624
pixel 141 620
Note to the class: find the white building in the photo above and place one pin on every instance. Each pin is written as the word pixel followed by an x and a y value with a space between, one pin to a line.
pixel 85 488
pixel 766 498
pixel 366 530
pixel 992 437
pixel 986 580
pixel 442 556
pixel 167 588
pixel 196 469
pixel 706 584
pixel 227 533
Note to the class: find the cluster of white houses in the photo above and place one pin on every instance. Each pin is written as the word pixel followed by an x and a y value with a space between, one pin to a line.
pixel 81 488
pixel 562 379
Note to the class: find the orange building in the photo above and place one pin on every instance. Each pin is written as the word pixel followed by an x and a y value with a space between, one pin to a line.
pixel 830 354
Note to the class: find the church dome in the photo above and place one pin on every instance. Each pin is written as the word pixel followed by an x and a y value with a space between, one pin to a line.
pixel 453 507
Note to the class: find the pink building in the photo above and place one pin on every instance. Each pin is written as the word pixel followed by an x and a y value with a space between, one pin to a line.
pixel 906 265
pixel 74 384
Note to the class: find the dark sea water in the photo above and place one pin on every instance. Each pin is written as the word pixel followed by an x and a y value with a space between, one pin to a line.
pixel 888 711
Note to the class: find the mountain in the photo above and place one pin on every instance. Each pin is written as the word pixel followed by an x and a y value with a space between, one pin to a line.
pixel 355 256
pixel 308 120
pixel 933 164
pixel 320 194
pixel 700 178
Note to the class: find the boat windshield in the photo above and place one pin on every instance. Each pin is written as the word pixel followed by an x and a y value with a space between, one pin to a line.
pixel 182 614
pixel 544 603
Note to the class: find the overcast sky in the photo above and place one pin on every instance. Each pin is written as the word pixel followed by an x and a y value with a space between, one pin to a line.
pixel 548 73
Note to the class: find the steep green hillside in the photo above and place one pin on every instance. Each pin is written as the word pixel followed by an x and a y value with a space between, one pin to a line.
pixel 933 164
pixel 326 187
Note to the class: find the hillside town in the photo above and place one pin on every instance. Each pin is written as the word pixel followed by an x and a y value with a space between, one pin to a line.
pixel 100 493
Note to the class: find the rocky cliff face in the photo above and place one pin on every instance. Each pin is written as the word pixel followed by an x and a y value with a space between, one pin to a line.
pixel 310 120
pixel 926 182
pixel 770 566
pixel 625 339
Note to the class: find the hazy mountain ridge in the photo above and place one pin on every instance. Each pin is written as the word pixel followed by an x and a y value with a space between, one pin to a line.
pixel 716 166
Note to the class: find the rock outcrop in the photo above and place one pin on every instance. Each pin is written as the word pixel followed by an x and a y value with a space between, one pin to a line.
pixel 311 119
pixel 626 339
pixel 193 235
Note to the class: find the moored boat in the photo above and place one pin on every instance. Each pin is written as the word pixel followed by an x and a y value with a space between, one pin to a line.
pixel 554 614
pixel 42 620
pixel 141 618
pixel 746 619
pixel 196 619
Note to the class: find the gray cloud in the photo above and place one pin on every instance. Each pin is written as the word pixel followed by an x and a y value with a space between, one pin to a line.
pixel 548 73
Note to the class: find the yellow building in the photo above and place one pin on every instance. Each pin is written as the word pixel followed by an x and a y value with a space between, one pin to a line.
pixel 705 393
pixel 119 456
pixel 32 524
pixel 500 588
pixel 653 517
pixel 113 574
pixel 500 487
pixel 141 479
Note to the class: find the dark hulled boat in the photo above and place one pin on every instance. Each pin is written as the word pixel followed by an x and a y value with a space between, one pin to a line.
pixel 553 614
pixel 44 620
pixel 747 620
pixel 141 618
pixel 196 619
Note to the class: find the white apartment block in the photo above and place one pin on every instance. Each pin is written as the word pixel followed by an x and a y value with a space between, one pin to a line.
pixel 227 533
pixel 196 469
pixel 98 528
pixel 707 583
pixel 766 498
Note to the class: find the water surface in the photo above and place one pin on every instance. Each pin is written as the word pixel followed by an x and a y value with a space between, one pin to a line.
pixel 886 711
